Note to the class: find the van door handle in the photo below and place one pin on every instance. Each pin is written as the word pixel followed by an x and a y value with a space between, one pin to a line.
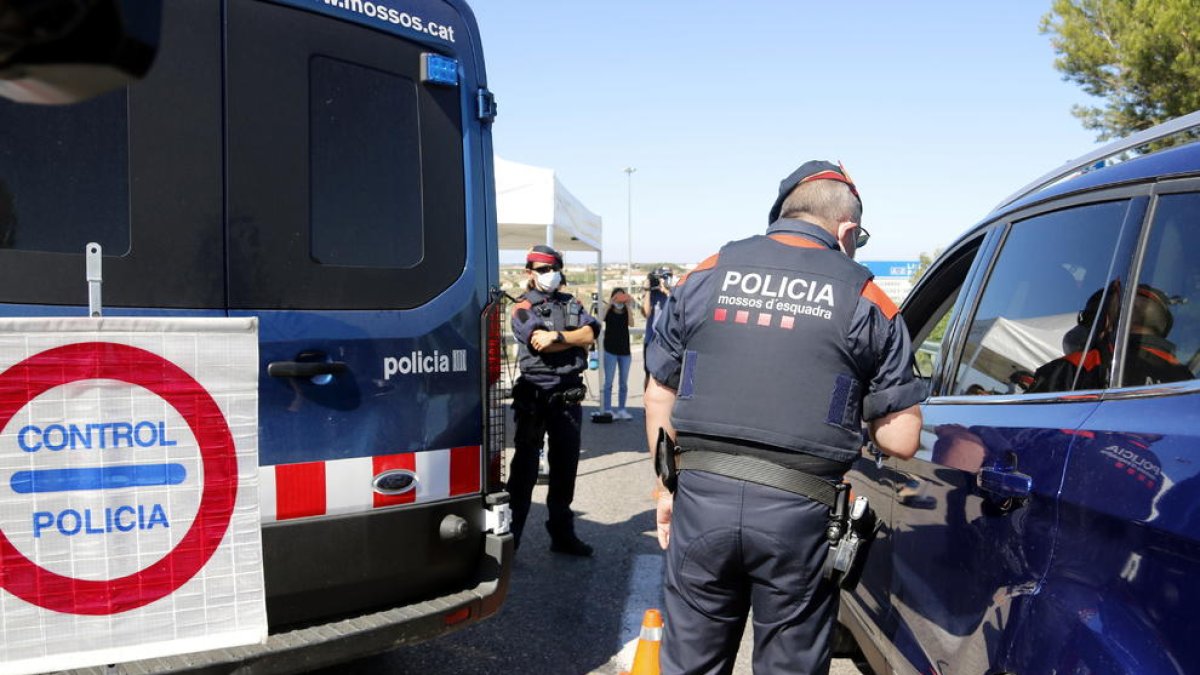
pixel 1004 483
pixel 304 368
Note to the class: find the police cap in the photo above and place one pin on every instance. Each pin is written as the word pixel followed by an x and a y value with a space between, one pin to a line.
pixel 812 170
pixel 543 255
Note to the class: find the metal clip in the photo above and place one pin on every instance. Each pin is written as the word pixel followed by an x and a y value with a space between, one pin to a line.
pixel 95 277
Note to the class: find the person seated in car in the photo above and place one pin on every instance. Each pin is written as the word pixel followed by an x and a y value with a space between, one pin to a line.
pixel 1079 369
pixel 1149 356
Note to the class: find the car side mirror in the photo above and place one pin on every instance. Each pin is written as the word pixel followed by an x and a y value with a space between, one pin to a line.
pixel 65 51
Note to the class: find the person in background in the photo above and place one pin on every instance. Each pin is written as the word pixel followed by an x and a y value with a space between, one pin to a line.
pixel 768 383
pixel 553 333
pixel 618 317
pixel 655 294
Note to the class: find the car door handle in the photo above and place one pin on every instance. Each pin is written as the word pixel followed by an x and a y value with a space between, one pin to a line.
pixel 1004 482
pixel 304 368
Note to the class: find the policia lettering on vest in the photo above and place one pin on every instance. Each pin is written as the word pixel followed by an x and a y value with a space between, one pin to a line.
pixel 769 357
pixel 553 333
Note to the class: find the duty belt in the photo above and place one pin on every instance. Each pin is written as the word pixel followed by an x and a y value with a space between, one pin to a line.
pixel 759 471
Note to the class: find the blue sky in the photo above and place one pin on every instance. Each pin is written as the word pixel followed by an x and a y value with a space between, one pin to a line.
pixel 939 109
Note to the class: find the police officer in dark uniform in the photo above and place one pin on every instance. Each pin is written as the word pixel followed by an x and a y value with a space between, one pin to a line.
pixel 1149 356
pixel 768 357
pixel 553 333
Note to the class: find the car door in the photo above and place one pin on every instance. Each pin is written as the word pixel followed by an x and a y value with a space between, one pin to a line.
pixel 928 312
pixel 973 520
pixel 1129 536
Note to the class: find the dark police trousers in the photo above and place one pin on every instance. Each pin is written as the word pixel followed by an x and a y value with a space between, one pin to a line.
pixel 538 414
pixel 736 545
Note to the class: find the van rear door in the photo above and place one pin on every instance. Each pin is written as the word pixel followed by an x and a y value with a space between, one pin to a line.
pixel 347 235
pixel 118 171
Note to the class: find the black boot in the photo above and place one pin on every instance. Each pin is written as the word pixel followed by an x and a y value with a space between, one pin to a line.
pixel 568 543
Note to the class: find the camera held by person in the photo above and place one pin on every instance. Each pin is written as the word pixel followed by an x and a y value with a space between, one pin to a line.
pixel 660 278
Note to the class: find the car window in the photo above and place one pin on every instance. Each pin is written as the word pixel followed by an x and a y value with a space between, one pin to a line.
pixel 927 345
pixel 1046 311
pixel 1164 325
pixel 929 318
pixel 929 310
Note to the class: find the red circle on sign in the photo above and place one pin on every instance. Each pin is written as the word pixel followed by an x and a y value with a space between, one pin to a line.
pixel 41 372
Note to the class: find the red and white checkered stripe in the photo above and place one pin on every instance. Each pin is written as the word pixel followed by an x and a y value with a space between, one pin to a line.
pixel 341 486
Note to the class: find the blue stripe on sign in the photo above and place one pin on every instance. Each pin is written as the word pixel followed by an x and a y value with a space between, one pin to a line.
pixel 100 478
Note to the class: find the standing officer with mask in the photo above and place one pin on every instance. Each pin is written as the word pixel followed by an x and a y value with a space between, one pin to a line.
pixel 768 357
pixel 553 333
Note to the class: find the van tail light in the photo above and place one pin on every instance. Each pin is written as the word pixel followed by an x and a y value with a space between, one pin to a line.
pixel 494 394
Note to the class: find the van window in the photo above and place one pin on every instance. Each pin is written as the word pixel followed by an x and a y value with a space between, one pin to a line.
pixel 64 178
pixel 1164 325
pixel 1046 310
pixel 117 170
pixel 366 180
pixel 345 177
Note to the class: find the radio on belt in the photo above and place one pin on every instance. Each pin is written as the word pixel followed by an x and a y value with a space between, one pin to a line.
pixel 852 528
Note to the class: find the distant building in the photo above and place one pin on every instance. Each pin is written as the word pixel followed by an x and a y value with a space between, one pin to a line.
pixel 893 276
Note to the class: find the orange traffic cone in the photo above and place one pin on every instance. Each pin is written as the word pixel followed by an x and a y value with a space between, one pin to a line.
pixel 645 659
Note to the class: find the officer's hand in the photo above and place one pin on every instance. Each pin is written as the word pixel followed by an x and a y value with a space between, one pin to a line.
pixel 542 339
pixel 666 502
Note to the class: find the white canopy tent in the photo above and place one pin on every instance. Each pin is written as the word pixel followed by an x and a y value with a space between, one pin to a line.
pixel 1002 346
pixel 533 207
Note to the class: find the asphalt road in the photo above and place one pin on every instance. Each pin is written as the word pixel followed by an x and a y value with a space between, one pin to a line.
pixel 563 614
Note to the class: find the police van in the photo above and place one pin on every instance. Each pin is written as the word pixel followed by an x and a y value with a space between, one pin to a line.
pixel 326 167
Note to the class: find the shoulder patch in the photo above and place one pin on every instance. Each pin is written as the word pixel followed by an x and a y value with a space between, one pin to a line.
pixel 876 296
pixel 523 304
pixel 707 264
pixel 795 240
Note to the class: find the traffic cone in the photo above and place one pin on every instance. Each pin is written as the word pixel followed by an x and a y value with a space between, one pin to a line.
pixel 645 659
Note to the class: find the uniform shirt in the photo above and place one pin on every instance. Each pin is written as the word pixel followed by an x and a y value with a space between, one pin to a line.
pixel 878 337
pixel 1151 360
pixel 525 321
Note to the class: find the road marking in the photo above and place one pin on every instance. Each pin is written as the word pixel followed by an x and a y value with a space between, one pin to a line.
pixel 645 592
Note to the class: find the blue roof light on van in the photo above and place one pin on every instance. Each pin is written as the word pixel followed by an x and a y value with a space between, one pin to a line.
pixel 438 69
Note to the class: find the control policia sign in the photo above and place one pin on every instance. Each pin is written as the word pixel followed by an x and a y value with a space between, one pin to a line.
pixel 129 519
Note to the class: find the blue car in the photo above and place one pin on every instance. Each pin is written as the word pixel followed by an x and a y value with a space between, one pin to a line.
pixel 1050 522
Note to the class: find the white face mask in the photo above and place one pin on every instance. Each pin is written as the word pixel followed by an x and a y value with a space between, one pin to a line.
pixel 548 281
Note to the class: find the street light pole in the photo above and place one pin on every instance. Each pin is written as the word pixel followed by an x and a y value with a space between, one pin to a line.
pixel 629 222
